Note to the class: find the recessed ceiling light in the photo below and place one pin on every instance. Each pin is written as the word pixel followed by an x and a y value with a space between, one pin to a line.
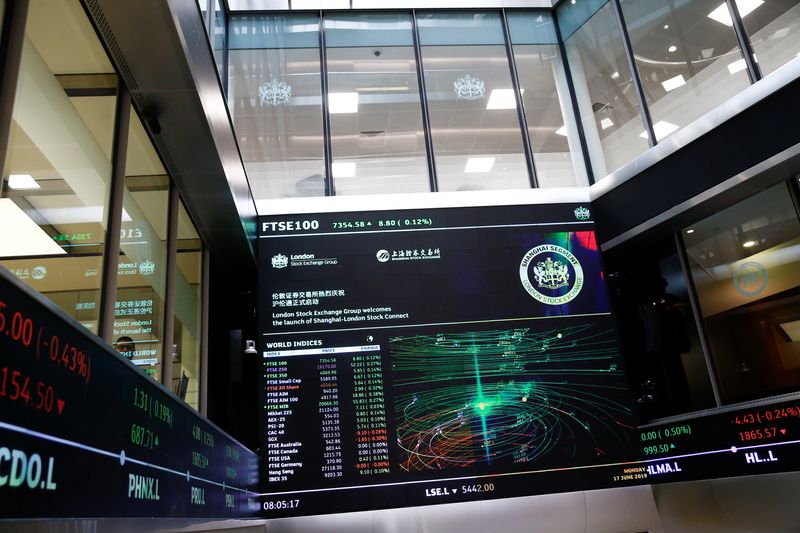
pixel 502 99
pixel 672 48
pixel 562 130
pixel 737 66
pixel 22 181
pixel 689 231
pixel 723 16
pixel 344 169
pixel 615 75
pixel 662 128
pixel 479 164
pixel 342 103
pixel 606 123
pixel 673 83
pixel 666 26
pixel 749 244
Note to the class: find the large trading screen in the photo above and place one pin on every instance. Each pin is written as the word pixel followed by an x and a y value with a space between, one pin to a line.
pixel 441 355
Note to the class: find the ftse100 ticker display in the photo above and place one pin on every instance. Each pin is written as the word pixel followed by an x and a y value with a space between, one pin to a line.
pixel 431 356
pixel 85 434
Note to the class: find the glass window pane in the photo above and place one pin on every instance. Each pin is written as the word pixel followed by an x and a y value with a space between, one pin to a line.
pixel 219 37
pixel 141 270
pixel 746 269
pixel 186 336
pixel 477 139
pixel 545 97
pixel 664 358
pixel 58 170
pixel 774 31
pixel 609 109
pixel 460 28
pixel 688 58
pixel 375 111
pixel 274 95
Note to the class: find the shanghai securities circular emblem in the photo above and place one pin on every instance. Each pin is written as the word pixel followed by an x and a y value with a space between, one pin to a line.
pixel 550 265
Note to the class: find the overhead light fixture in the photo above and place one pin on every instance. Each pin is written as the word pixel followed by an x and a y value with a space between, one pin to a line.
pixel 479 164
pixel 27 238
pixel 615 75
pixel 666 26
pixel 673 83
pixel 662 128
pixel 689 231
pixel 606 123
pixel 22 182
pixel 562 130
pixel 672 48
pixel 502 99
pixel 745 7
pixel 342 103
pixel 749 244
pixel 344 169
pixel 737 66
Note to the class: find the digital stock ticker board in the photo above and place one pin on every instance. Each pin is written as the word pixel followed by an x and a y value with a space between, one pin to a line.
pixel 84 433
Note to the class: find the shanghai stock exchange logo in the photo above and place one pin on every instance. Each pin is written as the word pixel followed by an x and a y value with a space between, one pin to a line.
pixel 557 274
pixel 750 279
pixel 280 261
pixel 383 256
pixel 147 267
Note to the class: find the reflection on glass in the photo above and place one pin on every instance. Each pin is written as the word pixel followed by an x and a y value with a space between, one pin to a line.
pixel 477 139
pixel 688 58
pixel 545 97
pixel 745 261
pixel 773 27
pixel 664 359
pixel 186 336
pixel 274 97
pixel 609 109
pixel 56 180
pixel 141 269
pixel 376 118
pixel 219 37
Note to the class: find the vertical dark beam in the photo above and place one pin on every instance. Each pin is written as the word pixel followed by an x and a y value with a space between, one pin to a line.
pixel 169 291
pixel 523 121
pixel 16 14
pixel 637 82
pixel 423 98
pixel 330 189
pixel 744 42
pixel 108 289
pixel 576 114
pixel 794 193
pixel 705 344
pixel 204 303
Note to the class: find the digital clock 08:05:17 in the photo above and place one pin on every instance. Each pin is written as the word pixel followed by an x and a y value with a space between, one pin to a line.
pixel 278 505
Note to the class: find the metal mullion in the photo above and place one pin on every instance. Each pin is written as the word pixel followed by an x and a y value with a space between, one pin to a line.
pixel 744 42
pixel 204 320
pixel 14 22
pixel 111 250
pixel 423 98
pixel 794 194
pixel 169 288
pixel 330 189
pixel 576 114
pixel 637 82
pixel 705 343
pixel 523 122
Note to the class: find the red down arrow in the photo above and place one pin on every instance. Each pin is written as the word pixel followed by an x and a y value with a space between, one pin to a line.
pixel 60 403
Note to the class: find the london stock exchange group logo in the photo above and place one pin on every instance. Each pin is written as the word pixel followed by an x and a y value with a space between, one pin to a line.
pixel 557 274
